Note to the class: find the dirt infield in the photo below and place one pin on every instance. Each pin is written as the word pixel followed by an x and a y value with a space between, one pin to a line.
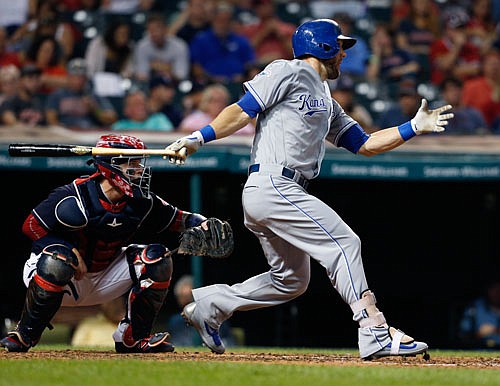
pixel 265 357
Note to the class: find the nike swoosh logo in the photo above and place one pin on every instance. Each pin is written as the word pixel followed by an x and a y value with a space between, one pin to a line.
pixel 309 113
pixel 213 333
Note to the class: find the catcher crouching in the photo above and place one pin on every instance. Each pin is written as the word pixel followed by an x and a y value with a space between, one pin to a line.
pixel 83 251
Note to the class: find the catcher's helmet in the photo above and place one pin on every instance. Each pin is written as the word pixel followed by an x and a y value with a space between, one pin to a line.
pixel 319 38
pixel 133 179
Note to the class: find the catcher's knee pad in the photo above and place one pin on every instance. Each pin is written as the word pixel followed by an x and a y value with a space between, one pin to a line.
pixel 151 271
pixel 151 265
pixel 57 264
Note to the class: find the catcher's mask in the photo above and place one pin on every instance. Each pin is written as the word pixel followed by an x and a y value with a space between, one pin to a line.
pixel 319 38
pixel 129 174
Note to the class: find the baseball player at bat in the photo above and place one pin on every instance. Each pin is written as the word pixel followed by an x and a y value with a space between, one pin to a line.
pixel 295 115
pixel 83 252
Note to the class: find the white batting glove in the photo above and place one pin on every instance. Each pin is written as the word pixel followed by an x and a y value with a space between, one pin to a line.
pixel 185 146
pixel 430 121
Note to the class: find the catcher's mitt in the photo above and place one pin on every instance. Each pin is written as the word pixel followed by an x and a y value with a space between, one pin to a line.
pixel 217 241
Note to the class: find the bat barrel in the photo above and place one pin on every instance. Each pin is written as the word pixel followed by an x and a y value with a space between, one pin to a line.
pixel 52 150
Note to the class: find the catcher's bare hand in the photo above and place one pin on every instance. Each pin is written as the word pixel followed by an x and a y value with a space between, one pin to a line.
pixel 213 238
pixel 429 121
pixel 81 270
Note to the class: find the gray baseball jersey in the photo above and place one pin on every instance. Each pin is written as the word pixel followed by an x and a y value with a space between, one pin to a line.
pixel 297 116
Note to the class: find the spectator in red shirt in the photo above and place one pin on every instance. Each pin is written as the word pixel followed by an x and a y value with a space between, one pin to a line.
pixel 453 55
pixel 483 92
pixel 270 36
pixel 44 53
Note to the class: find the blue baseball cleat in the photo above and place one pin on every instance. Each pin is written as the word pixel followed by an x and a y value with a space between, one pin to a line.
pixel 400 345
pixel 209 335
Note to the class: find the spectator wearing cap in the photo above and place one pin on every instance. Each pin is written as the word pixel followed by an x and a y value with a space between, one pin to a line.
pixel 139 117
pixel 76 106
pixel 159 53
pixel 219 54
pixel 270 36
pixel 343 93
pixel 26 107
pixel 453 54
pixel 404 110
pixel 161 99
pixel 468 120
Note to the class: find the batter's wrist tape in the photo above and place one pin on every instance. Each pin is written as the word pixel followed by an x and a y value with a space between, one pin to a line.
pixel 208 133
pixel 406 131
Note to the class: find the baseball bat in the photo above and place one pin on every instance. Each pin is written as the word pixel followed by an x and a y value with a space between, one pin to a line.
pixel 56 150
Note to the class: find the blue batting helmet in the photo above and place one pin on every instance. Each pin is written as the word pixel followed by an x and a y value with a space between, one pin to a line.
pixel 319 38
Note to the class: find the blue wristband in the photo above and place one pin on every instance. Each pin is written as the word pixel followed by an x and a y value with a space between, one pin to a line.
pixel 208 133
pixel 406 131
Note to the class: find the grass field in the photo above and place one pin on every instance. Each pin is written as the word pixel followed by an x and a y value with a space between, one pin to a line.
pixel 63 365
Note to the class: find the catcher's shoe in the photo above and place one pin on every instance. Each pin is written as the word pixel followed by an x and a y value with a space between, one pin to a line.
pixel 400 345
pixel 125 344
pixel 209 335
pixel 14 342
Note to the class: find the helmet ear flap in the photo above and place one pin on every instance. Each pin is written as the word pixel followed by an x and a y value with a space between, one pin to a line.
pixel 325 46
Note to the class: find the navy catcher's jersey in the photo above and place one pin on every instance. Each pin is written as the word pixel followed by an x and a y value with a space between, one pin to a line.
pixel 80 216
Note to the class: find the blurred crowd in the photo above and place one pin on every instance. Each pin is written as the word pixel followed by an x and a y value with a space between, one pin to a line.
pixel 174 65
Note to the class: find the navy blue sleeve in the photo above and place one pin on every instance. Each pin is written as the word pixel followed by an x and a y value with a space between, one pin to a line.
pixel 249 105
pixel 161 217
pixel 353 138
pixel 46 211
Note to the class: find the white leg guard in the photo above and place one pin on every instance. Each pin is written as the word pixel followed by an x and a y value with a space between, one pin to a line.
pixel 370 314
pixel 372 333
pixel 376 338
